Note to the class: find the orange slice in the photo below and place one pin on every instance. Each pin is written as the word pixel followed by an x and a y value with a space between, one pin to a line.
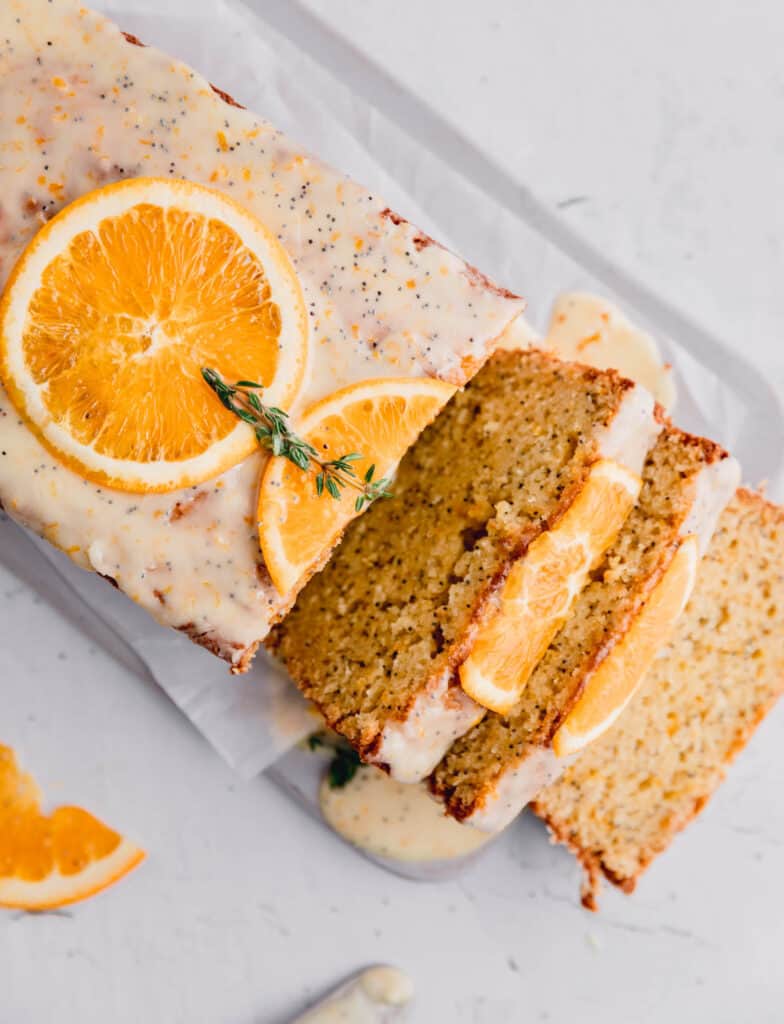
pixel 610 688
pixel 542 587
pixel 49 861
pixel 114 308
pixel 379 419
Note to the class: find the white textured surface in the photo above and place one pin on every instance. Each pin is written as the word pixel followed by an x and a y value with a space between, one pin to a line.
pixel 657 128
pixel 669 117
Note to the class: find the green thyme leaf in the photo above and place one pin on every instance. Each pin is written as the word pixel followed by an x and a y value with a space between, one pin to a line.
pixel 343 767
pixel 273 433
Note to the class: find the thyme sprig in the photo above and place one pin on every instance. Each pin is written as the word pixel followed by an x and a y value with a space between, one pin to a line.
pixel 345 762
pixel 273 433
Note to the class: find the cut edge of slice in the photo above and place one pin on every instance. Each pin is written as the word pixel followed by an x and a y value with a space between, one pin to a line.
pixel 610 688
pixel 86 213
pixel 498 666
pixel 284 486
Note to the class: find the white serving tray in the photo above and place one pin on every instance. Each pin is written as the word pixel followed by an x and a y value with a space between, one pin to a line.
pixel 517 240
pixel 332 99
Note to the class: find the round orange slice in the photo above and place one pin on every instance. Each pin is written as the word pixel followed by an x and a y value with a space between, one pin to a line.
pixel 610 688
pixel 542 586
pixel 50 861
pixel 114 308
pixel 379 420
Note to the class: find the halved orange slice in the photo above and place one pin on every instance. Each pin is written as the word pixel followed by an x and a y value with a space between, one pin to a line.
pixel 542 586
pixel 114 308
pixel 610 688
pixel 379 419
pixel 50 861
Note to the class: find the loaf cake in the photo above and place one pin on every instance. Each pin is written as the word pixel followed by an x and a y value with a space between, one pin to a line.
pixel 84 106
pixel 532 449
pixel 623 801
pixel 597 660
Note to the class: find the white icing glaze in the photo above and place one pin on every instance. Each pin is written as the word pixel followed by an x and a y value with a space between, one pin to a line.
pixel 413 747
pixel 373 997
pixel 395 820
pixel 715 485
pixel 591 330
pixel 632 432
pixel 80 107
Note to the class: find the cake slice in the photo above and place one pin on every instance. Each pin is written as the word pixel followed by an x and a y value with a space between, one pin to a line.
pixel 534 466
pixel 86 106
pixel 620 805
pixel 598 659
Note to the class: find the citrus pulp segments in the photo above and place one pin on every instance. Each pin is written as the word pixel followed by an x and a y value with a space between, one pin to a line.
pixel 87 214
pixel 542 586
pixel 59 890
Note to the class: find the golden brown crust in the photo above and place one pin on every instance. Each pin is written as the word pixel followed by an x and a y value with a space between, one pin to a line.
pixel 218 647
pixel 591 864
pixel 768 512
pixel 456 807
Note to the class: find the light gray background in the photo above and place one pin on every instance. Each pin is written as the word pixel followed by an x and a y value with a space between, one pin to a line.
pixel 666 122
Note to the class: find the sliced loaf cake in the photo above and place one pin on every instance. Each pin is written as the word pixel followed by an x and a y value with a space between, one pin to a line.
pixel 534 466
pixel 620 805
pixel 598 659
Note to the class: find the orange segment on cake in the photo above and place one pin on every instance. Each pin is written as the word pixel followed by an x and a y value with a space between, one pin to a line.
pixel 507 472
pixel 374 420
pixel 171 231
pixel 541 589
pixel 114 308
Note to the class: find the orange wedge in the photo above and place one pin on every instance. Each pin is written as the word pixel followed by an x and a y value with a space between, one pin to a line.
pixel 610 688
pixel 50 861
pixel 114 308
pixel 379 419
pixel 542 587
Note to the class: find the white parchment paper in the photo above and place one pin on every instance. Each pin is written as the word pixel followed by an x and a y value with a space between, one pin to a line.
pixel 252 720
